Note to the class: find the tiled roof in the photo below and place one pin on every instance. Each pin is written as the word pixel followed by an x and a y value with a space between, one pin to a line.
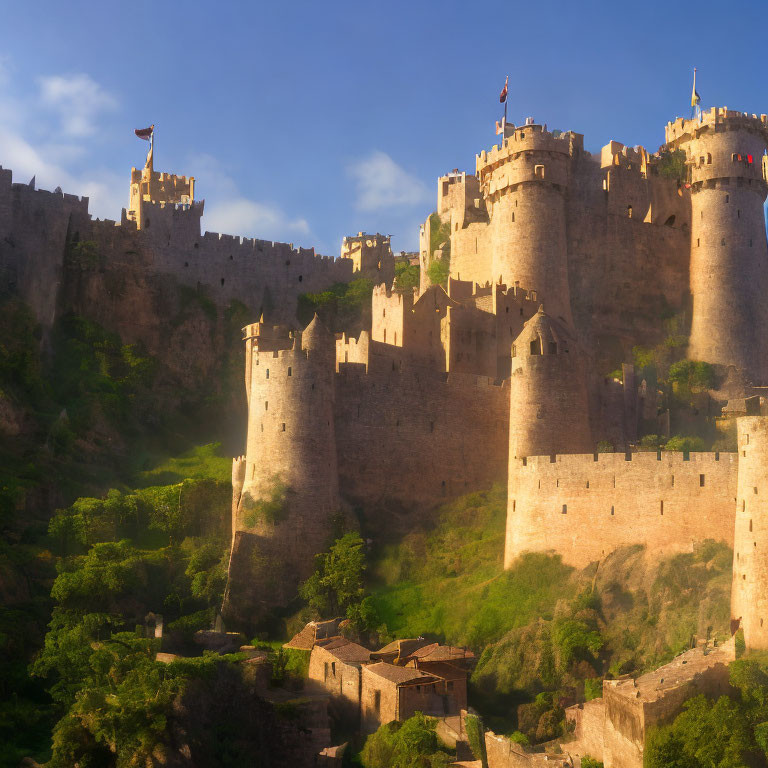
pixel 437 652
pixel 345 650
pixel 403 647
pixel 399 675
pixel 442 669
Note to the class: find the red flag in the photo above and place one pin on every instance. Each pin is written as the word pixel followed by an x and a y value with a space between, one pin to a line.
pixel 504 90
pixel 144 133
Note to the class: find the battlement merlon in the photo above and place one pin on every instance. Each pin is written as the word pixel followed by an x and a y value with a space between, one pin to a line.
pixel 529 138
pixel 715 119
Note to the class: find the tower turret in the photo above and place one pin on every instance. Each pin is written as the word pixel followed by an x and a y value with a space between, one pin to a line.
pixel 524 182
pixel 749 595
pixel 548 391
pixel 289 488
pixel 729 279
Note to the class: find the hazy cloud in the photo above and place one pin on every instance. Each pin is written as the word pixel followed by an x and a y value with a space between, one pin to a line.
pixel 381 183
pixel 78 100
pixel 230 212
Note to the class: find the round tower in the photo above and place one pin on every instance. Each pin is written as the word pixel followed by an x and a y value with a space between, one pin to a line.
pixel 548 392
pixel 729 279
pixel 290 486
pixel 749 595
pixel 524 183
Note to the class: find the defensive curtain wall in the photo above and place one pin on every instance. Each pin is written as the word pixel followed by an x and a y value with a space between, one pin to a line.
pixel 37 229
pixel 585 506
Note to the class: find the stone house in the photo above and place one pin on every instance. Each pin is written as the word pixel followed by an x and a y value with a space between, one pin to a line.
pixel 335 664
pixel 392 693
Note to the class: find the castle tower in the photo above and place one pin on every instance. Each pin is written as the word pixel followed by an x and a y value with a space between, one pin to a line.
pixel 289 482
pixel 549 410
pixel 729 256
pixel 371 256
pixel 749 595
pixel 524 183
pixel 157 188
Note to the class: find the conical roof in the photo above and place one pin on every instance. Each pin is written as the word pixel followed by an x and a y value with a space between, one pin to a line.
pixel 316 335
pixel 545 330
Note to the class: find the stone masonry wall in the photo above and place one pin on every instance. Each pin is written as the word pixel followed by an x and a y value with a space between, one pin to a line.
pixel 749 596
pixel 417 437
pixel 585 506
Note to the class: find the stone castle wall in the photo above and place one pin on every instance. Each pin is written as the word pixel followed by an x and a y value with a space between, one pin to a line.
pixel 37 227
pixel 749 595
pixel 413 438
pixel 585 506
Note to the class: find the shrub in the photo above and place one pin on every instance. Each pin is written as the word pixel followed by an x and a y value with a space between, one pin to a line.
pixel 684 444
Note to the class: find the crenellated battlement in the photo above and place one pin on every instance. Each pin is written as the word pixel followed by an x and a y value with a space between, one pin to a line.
pixel 717 120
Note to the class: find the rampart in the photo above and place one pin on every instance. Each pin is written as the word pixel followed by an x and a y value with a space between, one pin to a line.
pixel 412 437
pixel 37 228
pixel 585 506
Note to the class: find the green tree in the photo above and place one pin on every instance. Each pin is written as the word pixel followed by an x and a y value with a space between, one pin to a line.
pixel 407 275
pixel 704 734
pixel 411 744
pixel 685 444
pixel 338 582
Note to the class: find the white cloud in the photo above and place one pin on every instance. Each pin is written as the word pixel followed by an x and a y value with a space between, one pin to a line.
pixel 78 99
pixel 232 213
pixel 381 183
pixel 247 217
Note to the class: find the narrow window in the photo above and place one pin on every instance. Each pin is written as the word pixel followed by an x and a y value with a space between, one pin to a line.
pixel 701 481
pixel 283 426
pixel 267 372
pixel 612 510
pixel 727 198
pixel 385 335
pixel 565 509
pixel 395 341
pixel 535 347
pixel 377 701
pixel 266 405
pixel 290 370
pixel 661 507
pixel 514 504
pixel 513 217
pixel 325 671
pixel 755 490
pixel 552 347
pixel 301 277
pixel 431 426
pixel 629 211
pixel 722 241
pixel 698 242
pixel 750 526
pixel 333 668
pixel 673 481
pixel 222 281
pixel 587 483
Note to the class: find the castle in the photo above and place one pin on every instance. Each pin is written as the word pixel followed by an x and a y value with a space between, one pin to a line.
pixel 558 262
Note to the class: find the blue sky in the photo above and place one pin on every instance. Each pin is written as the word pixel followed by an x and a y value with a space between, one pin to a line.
pixel 306 121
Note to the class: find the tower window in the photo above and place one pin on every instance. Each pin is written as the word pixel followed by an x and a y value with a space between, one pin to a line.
pixel 701 481
pixel 538 171
pixel 565 509
pixel 266 405
pixel 629 211
pixel 738 213
pixel 613 511
pixel 661 507
pixel 290 371
pixel 750 526
pixel 722 241
pixel 513 217
pixel 698 242
pixel 727 198
pixel 283 426
pixel 535 347
pixel 267 372
pixel 222 281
